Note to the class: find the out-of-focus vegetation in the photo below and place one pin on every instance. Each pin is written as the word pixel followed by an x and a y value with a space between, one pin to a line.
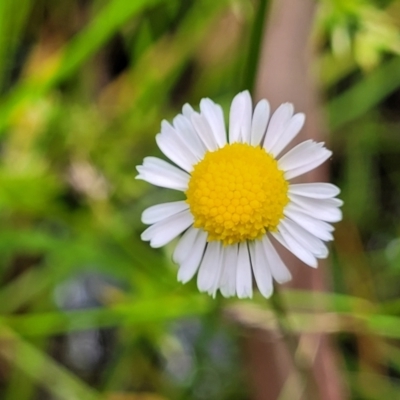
pixel 88 311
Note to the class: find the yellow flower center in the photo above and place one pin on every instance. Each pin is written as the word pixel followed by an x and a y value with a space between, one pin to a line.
pixel 237 193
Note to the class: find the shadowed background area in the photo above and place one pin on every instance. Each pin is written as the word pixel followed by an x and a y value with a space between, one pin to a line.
pixel 87 310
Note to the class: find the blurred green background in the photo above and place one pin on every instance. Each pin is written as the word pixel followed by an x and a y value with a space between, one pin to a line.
pixel 90 312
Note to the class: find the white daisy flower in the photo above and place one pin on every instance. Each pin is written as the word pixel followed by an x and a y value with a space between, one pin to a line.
pixel 238 195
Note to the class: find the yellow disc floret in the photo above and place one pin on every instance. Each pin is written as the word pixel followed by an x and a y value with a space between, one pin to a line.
pixel 237 193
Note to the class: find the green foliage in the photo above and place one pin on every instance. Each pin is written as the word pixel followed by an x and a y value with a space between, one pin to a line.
pixel 84 86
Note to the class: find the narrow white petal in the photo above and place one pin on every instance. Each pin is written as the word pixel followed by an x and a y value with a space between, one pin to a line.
pixel 218 273
pixel 160 173
pixel 308 165
pixel 304 238
pixel 204 131
pixel 291 130
pixel 187 132
pixel 236 117
pixel 323 209
pixel 317 190
pixel 333 202
pixel 187 110
pixel 229 265
pixel 301 154
pixel 245 128
pixel 175 151
pixel 210 267
pixel 277 125
pixel 262 273
pixel 189 266
pixel 159 212
pixel 164 231
pixel 181 141
pixel 185 245
pixel 215 117
pixel 278 268
pixel 259 122
pixel 318 228
pixel 243 273
pixel 286 240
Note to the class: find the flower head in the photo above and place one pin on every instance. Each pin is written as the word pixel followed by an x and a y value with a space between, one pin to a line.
pixel 238 196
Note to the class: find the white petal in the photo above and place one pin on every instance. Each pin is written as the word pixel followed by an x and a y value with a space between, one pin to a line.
pixel 309 164
pixel 160 173
pixel 304 238
pixel 184 247
pixel 183 140
pixel 277 125
pixel 229 267
pixel 189 266
pixel 164 231
pixel 175 151
pixel 318 228
pixel 236 117
pixel 245 128
pixel 243 273
pixel 333 202
pixel 291 130
pixel 215 117
pixel 301 154
pixel 259 122
pixel 286 240
pixel 262 273
pixel 159 212
pixel 187 110
pixel 204 131
pixel 210 267
pixel 186 130
pixel 317 190
pixel 278 268
pixel 218 276
pixel 323 209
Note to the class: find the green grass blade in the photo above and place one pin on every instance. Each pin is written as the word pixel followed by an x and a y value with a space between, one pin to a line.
pixel 138 312
pixel 114 15
pixel 364 95
pixel 40 367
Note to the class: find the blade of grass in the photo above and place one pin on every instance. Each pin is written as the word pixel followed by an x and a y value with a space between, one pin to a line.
pixel 13 15
pixel 112 16
pixel 41 368
pixel 21 386
pixel 250 72
pixel 153 78
pixel 149 311
pixel 137 312
pixel 365 94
